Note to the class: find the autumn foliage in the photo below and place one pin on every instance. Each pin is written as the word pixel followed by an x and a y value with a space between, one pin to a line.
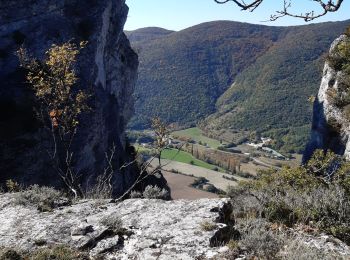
pixel 54 81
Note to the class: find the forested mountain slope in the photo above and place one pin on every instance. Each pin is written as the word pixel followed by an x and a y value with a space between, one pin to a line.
pixel 251 77
pixel 181 75
pixel 271 95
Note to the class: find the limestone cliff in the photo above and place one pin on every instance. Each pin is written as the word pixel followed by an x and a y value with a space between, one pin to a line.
pixel 331 121
pixel 107 68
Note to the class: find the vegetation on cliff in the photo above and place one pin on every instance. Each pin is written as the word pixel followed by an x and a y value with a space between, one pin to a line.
pixel 339 60
pixel 54 82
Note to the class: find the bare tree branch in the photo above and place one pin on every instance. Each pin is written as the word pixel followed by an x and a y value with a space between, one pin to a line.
pixel 327 6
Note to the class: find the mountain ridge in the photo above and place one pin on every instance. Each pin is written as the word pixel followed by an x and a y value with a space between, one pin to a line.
pixel 147 33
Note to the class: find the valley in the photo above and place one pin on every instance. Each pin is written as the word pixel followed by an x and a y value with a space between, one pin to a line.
pixel 191 153
pixel 233 80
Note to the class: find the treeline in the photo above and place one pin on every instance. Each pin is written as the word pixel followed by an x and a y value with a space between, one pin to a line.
pixel 227 161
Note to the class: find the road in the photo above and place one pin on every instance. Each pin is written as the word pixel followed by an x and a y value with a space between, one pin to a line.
pixel 265 164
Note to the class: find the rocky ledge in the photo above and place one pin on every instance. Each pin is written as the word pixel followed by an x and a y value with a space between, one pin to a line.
pixel 148 229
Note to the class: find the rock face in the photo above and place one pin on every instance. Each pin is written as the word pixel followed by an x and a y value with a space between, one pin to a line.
pixel 151 229
pixel 331 124
pixel 107 67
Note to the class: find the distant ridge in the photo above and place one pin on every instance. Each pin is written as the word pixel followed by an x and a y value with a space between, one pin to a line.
pixel 147 34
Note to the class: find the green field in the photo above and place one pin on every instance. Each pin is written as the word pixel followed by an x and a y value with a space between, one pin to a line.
pixel 196 134
pixel 140 148
pixel 181 156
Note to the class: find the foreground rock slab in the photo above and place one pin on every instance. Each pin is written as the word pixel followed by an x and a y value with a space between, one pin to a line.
pixel 151 229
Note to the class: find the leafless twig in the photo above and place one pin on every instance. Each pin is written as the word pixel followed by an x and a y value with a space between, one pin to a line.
pixel 326 6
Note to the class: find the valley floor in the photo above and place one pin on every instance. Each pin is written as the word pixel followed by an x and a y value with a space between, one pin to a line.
pixel 180 187
pixel 214 177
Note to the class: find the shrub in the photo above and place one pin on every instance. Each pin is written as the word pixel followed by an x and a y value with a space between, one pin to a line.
pixel 344 53
pixel 135 195
pixel 199 181
pixel 45 198
pixel 58 253
pixel 154 192
pixel 12 186
pixel 339 60
pixel 279 211
pixel 113 222
pixel 10 254
pixel 233 245
pixel 259 240
pixel 296 249
pixel 211 188
pixel 314 194
pixel 246 204
pixel 208 226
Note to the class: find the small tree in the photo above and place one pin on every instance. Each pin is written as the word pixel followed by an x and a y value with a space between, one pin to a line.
pixel 54 82
pixel 162 136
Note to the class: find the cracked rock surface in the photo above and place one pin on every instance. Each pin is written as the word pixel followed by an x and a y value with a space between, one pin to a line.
pixel 151 229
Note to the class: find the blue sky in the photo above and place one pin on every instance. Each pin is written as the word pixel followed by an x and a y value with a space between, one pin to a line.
pixel 180 14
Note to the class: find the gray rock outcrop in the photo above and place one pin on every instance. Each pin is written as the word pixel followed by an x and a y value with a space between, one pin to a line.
pixel 149 229
pixel 107 67
pixel 331 124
